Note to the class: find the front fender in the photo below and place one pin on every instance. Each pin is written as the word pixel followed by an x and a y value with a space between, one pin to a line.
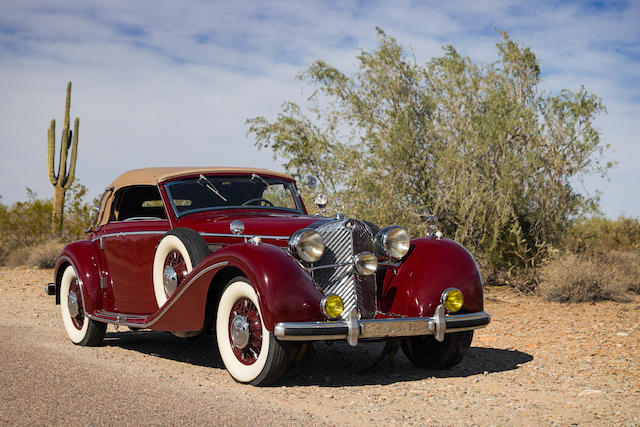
pixel 432 265
pixel 81 255
pixel 285 291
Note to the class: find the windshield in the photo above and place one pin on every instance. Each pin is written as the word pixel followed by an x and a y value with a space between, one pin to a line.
pixel 223 192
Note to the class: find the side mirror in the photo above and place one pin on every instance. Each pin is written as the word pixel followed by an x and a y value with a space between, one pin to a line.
pixel 311 182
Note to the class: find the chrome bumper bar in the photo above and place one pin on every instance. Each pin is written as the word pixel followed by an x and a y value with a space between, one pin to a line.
pixel 352 329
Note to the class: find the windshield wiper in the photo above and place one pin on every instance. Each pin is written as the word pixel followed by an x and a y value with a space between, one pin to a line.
pixel 255 175
pixel 202 180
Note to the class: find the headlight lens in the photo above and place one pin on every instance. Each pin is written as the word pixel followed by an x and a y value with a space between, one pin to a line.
pixel 452 299
pixel 392 242
pixel 332 306
pixel 307 244
pixel 366 263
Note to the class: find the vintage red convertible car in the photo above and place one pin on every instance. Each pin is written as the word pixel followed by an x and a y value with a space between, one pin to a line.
pixel 233 252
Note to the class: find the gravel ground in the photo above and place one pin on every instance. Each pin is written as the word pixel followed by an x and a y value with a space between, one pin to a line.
pixel 537 363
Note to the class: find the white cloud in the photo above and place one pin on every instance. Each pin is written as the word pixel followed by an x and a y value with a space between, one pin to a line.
pixel 172 83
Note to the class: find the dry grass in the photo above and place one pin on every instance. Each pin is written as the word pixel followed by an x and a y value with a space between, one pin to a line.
pixel 626 267
pixel 44 255
pixel 584 277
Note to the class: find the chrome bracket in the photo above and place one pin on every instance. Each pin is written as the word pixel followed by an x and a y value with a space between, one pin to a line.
pixel 101 242
pixel 103 282
pixel 353 327
pixel 441 323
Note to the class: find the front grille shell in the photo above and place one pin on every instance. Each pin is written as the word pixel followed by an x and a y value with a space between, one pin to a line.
pixel 335 272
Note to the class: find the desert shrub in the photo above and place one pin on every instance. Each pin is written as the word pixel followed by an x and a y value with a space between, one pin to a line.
pixel 26 223
pixel 78 213
pixel 44 255
pixel 575 277
pixel 625 266
pixel 41 255
pixel 604 234
pixel 25 227
pixel 614 243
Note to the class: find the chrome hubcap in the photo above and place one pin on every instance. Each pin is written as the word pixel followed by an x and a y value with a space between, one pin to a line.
pixel 72 303
pixel 170 279
pixel 240 332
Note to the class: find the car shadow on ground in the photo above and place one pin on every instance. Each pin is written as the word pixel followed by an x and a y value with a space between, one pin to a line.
pixel 201 351
pixel 339 365
pixel 331 364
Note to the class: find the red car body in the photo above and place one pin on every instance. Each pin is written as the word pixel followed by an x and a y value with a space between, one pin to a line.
pixel 114 269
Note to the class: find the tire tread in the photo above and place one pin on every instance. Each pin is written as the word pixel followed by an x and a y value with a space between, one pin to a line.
pixel 426 352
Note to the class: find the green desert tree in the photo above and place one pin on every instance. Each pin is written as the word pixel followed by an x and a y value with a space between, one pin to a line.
pixel 481 146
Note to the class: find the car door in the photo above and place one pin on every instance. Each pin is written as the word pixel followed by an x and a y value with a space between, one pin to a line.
pixel 128 242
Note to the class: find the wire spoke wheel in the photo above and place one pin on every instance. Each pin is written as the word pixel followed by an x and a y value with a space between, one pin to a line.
pixel 246 310
pixel 74 292
pixel 80 329
pixel 178 252
pixel 248 350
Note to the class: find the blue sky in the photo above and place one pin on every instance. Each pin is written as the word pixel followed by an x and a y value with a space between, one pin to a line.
pixel 172 83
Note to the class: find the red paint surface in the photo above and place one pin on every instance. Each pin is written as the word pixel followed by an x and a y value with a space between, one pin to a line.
pixel 81 255
pixel 431 267
pixel 128 261
pixel 285 290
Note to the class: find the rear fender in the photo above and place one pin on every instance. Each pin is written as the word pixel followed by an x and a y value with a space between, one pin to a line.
pixel 415 287
pixel 285 291
pixel 82 257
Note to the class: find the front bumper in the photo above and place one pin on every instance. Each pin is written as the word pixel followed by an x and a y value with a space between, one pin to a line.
pixel 353 329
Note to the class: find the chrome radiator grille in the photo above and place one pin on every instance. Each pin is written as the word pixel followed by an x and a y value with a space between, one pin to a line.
pixel 343 239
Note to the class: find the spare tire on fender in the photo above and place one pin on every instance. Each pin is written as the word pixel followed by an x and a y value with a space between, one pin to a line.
pixel 178 252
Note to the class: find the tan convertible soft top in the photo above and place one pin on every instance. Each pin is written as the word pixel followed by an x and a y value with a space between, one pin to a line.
pixel 153 176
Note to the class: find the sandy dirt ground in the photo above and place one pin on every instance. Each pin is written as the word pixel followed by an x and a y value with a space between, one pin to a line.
pixel 537 363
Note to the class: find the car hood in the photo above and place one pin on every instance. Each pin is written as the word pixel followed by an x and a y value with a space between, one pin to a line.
pixel 261 224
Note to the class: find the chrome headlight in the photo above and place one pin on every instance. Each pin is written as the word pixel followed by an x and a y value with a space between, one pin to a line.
pixel 392 242
pixel 307 244
pixel 366 263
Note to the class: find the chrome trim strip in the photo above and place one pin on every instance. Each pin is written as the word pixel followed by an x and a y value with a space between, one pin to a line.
pixel 122 318
pixel 244 236
pixel 381 328
pixel 126 233
pixel 319 267
pixel 389 264
pixel 129 316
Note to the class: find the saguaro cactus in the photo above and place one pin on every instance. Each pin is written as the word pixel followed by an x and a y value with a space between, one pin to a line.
pixel 63 180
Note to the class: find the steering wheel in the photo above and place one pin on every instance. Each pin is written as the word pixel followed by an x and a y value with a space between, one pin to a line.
pixel 258 199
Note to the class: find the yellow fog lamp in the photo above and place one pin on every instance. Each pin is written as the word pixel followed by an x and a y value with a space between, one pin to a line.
pixel 332 306
pixel 452 299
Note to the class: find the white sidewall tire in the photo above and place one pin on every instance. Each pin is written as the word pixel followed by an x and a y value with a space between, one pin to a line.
pixel 243 373
pixel 75 335
pixel 168 244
